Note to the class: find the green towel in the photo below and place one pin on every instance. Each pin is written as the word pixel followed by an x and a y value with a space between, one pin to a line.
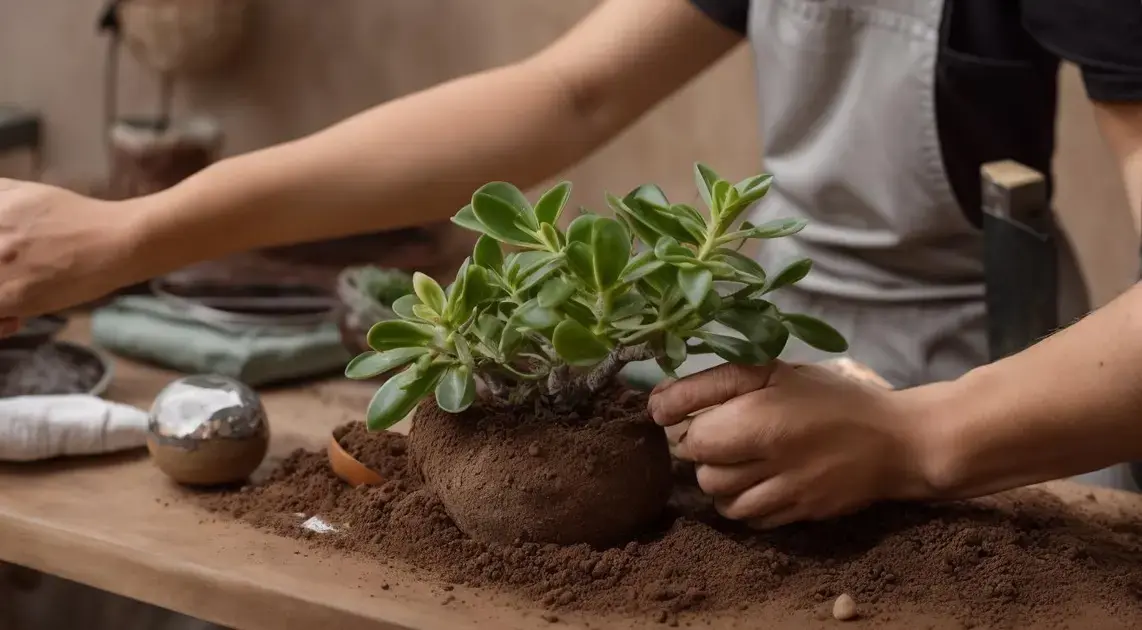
pixel 149 329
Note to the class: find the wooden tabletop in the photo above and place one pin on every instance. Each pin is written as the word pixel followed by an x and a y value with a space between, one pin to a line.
pixel 118 524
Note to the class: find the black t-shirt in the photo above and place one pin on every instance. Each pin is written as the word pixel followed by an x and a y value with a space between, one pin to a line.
pixel 996 74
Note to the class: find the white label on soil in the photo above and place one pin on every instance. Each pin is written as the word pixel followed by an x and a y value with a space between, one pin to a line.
pixel 315 524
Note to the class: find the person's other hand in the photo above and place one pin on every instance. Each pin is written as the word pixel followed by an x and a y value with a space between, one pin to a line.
pixel 57 249
pixel 784 443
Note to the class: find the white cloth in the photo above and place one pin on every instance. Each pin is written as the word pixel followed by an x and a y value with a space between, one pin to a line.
pixel 42 427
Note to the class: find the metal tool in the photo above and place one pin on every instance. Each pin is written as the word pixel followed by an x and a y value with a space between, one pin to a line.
pixel 1020 257
pixel 249 305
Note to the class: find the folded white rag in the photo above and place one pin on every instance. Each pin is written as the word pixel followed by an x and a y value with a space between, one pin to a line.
pixel 42 427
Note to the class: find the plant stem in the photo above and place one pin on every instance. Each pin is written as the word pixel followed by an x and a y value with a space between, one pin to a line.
pixel 609 367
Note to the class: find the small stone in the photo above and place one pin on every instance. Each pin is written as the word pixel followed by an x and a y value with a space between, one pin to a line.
pixel 533 449
pixel 550 618
pixel 844 608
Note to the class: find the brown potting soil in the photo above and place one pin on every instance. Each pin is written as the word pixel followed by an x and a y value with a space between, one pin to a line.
pixel 376 451
pixel 1021 559
pixel 595 469
pixel 47 369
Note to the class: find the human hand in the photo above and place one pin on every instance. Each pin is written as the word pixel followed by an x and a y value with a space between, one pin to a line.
pixel 58 249
pixel 783 443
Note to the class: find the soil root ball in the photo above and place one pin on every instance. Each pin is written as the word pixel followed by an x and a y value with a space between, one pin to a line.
pixel 600 474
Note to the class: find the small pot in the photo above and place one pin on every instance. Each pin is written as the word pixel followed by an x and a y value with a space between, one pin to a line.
pixel 357 311
pixel 34 333
pixel 349 469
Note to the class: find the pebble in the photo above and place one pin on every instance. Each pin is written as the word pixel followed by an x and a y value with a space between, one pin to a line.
pixel 844 608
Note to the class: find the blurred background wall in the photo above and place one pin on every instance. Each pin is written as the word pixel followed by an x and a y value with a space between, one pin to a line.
pixel 307 64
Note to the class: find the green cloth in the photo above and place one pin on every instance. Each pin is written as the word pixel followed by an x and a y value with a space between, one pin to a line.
pixel 151 330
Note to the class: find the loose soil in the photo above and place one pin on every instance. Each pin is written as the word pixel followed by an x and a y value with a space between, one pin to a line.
pixel 384 456
pixel 47 369
pixel 594 470
pixel 1020 559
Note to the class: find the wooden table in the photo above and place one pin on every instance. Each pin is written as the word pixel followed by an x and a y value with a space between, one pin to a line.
pixel 117 524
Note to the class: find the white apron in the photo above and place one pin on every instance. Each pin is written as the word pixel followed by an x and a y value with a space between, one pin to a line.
pixel 848 124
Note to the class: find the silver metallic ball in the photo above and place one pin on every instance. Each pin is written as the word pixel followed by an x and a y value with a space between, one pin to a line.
pixel 208 430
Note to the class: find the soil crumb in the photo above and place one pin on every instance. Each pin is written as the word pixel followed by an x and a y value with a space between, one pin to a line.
pixel 47 369
pixel 1021 559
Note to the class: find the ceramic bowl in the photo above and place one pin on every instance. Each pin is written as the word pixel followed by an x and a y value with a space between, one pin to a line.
pixel 349 469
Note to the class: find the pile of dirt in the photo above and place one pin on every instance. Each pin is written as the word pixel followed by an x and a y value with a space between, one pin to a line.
pixel 48 369
pixel 1018 559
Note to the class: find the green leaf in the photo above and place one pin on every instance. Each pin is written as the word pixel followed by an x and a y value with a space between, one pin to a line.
pixel 659 220
pixel 610 251
pixel 682 209
pixel 640 266
pixel 535 317
pixel 456 390
pixel 733 349
pixel 791 274
pixel 488 329
pixel 760 323
pixel 628 323
pixel 550 205
pixel 513 197
pixel 555 292
pixel 675 347
pixel 477 288
pixel 551 237
pixel 773 229
pixel 399 396
pixel 463 350
pixel 578 346
pixel 370 364
pixel 671 251
pixel 667 365
pixel 695 284
pixel 488 254
pixel 644 232
pixel 391 334
pixel 403 306
pixel 649 194
pixel 509 340
pixel 815 332
pixel 742 263
pixel 750 190
pixel 719 191
pixel 627 304
pixel 429 292
pixel 499 218
pixel 710 306
pixel 541 274
pixel 579 312
pixel 425 313
pixel 582 229
pixel 579 261
pixel 704 179
pixel 466 218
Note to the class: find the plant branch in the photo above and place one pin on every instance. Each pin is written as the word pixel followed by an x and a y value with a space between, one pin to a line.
pixel 609 367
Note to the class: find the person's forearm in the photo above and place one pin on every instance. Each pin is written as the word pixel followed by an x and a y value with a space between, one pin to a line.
pixel 411 161
pixel 1068 405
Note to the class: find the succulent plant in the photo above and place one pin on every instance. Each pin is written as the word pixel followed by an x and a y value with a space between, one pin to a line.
pixel 563 312
pixel 384 285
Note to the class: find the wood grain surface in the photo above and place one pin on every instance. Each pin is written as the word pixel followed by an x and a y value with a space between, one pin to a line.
pixel 118 524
